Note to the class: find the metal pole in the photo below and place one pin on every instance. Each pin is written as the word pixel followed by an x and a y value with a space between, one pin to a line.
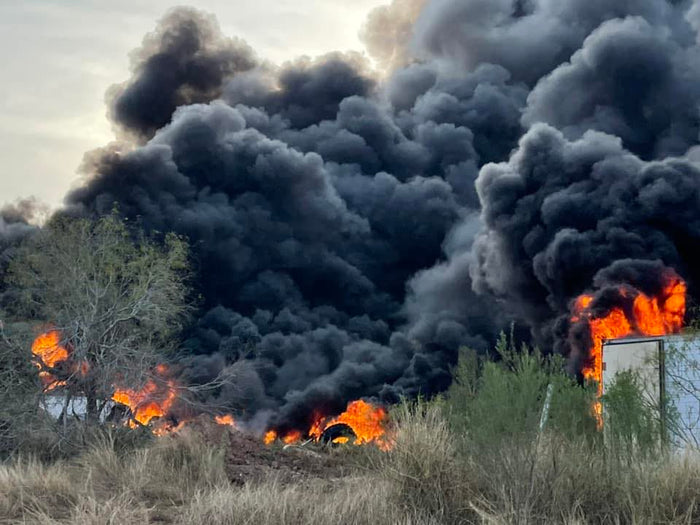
pixel 545 407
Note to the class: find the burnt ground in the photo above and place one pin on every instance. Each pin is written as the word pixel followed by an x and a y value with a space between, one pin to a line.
pixel 248 459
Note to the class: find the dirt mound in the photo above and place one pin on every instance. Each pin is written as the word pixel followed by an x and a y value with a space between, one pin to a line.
pixel 248 459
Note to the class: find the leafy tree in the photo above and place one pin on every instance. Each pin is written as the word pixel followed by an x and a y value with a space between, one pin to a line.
pixel 115 300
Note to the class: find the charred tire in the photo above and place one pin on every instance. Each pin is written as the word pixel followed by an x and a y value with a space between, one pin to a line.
pixel 340 430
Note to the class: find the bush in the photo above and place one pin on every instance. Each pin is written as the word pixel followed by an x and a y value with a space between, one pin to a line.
pixel 632 424
pixel 495 401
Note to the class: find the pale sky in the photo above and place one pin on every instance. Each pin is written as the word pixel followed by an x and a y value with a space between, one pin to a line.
pixel 57 58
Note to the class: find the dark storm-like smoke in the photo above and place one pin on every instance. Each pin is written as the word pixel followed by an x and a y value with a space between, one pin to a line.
pixel 352 232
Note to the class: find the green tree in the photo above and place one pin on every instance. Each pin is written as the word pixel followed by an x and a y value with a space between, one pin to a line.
pixel 116 299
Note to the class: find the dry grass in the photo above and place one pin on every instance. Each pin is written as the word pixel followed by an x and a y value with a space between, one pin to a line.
pixel 423 467
pixel 431 476
pixel 353 501
pixel 548 479
pixel 182 481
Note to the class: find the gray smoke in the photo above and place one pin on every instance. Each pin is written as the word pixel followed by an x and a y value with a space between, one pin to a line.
pixel 388 33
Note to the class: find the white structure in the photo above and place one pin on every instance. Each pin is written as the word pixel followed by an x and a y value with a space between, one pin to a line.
pixel 669 369
pixel 77 407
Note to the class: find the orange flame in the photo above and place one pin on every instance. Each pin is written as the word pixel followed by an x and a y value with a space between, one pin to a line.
pixel 367 421
pixel 153 400
pixel 47 347
pixel 49 353
pixel 270 437
pixel 318 425
pixel 226 420
pixel 166 428
pixel 650 316
pixel 292 437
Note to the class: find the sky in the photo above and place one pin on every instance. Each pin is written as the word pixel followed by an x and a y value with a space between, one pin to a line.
pixel 59 57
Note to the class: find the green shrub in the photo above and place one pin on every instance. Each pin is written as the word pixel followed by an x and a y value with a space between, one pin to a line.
pixel 632 424
pixel 495 401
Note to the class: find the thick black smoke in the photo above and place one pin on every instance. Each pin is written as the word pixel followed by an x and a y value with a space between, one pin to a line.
pixel 630 80
pixel 351 233
pixel 560 212
pixel 185 60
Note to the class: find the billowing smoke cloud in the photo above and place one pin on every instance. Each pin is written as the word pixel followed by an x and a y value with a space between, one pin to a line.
pixel 303 92
pixel 528 37
pixel 631 80
pixel 185 60
pixel 560 212
pixel 351 234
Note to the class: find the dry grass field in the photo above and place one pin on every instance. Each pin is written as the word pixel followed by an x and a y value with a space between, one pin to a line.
pixel 428 477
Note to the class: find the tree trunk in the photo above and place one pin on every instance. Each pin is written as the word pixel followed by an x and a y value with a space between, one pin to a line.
pixel 92 411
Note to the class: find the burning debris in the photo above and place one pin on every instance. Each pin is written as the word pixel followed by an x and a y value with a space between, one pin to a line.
pixel 155 399
pixel 49 353
pixel 152 405
pixel 226 419
pixel 366 422
pixel 637 314
pixel 57 369
pixel 352 233
pixel 621 311
pixel 53 360
pixel 361 423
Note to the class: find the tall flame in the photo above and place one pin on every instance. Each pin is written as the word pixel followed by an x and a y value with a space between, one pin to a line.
pixel 658 315
pixel 48 348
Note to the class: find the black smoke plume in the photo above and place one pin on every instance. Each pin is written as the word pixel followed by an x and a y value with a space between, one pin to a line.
pixel 353 230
